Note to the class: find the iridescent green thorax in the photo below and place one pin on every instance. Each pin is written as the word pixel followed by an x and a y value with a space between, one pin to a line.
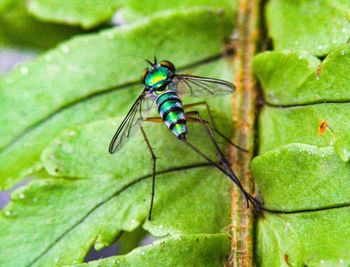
pixel 157 77
pixel 171 110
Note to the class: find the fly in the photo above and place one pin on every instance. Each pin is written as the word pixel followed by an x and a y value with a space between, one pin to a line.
pixel 163 86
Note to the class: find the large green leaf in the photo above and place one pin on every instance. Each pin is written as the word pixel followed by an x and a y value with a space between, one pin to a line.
pixel 85 13
pixel 19 29
pixel 302 177
pixel 64 217
pixel 92 197
pixel 133 8
pixel 96 209
pixel 302 170
pixel 188 250
pixel 319 124
pixel 82 80
pixel 319 238
pixel 71 156
pixel 89 13
pixel 295 78
pixel 309 25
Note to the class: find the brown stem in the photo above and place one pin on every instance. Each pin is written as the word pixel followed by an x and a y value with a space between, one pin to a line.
pixel 244 109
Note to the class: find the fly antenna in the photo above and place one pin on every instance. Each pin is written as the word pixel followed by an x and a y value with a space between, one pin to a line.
pixel 155 60
pixel 149 62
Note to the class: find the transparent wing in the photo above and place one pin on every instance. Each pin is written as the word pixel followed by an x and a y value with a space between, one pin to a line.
pixel 201 86
pixel 131 122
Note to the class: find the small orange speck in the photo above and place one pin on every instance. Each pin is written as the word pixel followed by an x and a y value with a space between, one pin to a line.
pixel 323 127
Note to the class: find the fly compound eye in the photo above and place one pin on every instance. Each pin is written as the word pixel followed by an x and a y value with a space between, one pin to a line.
pixel 168 64
pixel 143 76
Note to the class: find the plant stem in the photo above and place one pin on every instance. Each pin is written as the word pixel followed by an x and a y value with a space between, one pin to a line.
pixel 244 115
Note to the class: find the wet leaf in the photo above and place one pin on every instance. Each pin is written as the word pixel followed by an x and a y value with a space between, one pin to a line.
pixel 89 14
pixel 195 250
pixel 65 217
pixel 92 197
pixel 302 177
pixel 85 13
pixel 70 155
pixel 133 9
pixel 20 30
pixel 294 78
pixel 84 80
pixel 302 170
pixel 322 125
pixel 318 238
pixel 314 26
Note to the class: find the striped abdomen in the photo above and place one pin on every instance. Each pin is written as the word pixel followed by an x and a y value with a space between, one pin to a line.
pixel 171 111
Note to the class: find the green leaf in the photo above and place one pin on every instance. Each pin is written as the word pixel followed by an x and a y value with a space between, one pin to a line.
pixel 294 78
pixel 64 217
pixel 88 14
pixel 309 25
pixel 19 29
pixel 302 169
pixel 133 9
pixel 322 125
pixel 195 250
pixel 319 238
pixel 301 177
pixel 99 67
pixel 70 154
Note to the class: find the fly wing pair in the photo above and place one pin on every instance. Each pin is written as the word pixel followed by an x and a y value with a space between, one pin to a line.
pixel 188 85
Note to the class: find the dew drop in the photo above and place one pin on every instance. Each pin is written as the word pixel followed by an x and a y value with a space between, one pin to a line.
pixel 142 253
pixel 160 226
pixel 48 58
pixel 323 155
pixel 320 47
pixel 21 196
pixel 72 133
pixel 7 213
pixel 342 52
pixel 110 36
pixel 55 260
pixel 341 261
pixel 65 49
pixel 343 30
pixel 42 183
pixel 24 70
pixel 321 261
pixel 9 80
pixel 68 149
pixel 309 153
pixel 133 221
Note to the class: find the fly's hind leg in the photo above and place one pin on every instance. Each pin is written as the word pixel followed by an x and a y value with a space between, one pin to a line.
pixel 211 122
pixel 228 170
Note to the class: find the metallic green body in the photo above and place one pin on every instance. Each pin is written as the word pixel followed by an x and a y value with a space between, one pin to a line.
pixel 157 77
pixel 171 110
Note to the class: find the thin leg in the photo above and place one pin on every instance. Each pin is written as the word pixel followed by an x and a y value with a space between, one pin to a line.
pixel 228 170
pixel 154 159
pixel 211 123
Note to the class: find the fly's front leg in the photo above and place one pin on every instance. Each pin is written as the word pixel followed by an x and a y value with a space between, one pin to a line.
pixel 154 159
pixel 211 122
